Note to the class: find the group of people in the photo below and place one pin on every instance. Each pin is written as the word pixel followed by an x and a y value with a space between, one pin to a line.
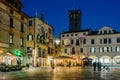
pixel 97 65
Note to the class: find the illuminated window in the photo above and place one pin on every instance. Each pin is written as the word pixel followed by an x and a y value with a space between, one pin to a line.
pixel 22 41
pixel 92 49
pixel 118 49
pixel 106 49
pixel 11 39
pixel 30 37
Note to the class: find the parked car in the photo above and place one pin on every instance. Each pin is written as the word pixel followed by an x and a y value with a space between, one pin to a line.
pixel 4 67
pixel 12 68
pixel 18 67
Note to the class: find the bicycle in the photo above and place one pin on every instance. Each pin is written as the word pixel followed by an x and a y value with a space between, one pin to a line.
pixel 106 68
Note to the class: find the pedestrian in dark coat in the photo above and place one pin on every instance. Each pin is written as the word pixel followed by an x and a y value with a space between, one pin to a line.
pixel 94 66
pixel 99 66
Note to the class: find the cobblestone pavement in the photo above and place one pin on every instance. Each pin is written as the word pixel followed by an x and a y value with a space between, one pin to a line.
pixel 61 73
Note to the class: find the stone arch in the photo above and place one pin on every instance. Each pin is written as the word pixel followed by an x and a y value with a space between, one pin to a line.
pixel 95 58
pixel 116 60
pixel 105 59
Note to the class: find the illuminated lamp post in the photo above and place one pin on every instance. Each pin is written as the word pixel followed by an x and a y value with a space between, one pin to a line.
pixel 57 42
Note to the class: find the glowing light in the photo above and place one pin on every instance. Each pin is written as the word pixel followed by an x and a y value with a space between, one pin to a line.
pixel 1 51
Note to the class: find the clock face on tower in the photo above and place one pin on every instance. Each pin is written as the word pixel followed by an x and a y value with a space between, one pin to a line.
pixel 66 41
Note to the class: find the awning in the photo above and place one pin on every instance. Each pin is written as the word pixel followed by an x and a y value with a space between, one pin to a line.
pixel 7 55
pixel 63 57
pixel 87 59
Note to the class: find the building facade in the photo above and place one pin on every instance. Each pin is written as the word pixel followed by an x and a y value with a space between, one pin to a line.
pixel 13 28
pixel 39 42
pixel 73 44
pixel 102 45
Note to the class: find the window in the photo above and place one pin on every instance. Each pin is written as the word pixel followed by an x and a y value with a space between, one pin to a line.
pixel 106 49
pixel 71 34
pixel 76 34
pixel 81 50
pixel 110 31
pixel 22 18
pixel 118 49
pixel 62 42
pixel 105 32
pixel 77 41
pixel 118 40
pixel 48 50
pixel 92 49
pixel 92 41
pixel 30 23
pixel 50 31
pixel 73 50
pixel 11 22
pixel 84 33
pixel 30 37
pixel 67 35
pixel 101 50
pixel 65 51
pixel 22 41
pixel 29 50
pixel 105 41
pixel 42 30
pixel 100 32
pixel 109 40
pixel 38 38
pixel 39 52
pixel 11 39
pixel 72 42
pixel 84 41
pixel 11 11
pixel 22 27
pixel 44 55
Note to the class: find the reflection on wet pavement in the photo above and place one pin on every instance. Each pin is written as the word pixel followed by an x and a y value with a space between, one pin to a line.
pixel 61 73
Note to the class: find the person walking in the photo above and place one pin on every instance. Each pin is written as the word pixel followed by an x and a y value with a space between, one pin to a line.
pixel 94 66
pixel 99 66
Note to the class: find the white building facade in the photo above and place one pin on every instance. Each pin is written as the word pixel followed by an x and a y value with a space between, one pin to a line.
pixel 102 45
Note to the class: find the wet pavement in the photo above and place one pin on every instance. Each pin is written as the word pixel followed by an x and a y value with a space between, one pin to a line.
pixel 61 73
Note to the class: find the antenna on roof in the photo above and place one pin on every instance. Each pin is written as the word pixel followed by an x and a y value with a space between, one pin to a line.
pixel 36 14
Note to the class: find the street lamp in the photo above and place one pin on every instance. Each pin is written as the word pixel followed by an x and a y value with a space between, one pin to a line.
pixel 57 41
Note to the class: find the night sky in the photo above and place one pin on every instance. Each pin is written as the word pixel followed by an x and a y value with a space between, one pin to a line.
pixel 95 13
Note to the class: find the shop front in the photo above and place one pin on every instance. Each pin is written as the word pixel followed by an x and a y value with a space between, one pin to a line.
pixel 8 58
